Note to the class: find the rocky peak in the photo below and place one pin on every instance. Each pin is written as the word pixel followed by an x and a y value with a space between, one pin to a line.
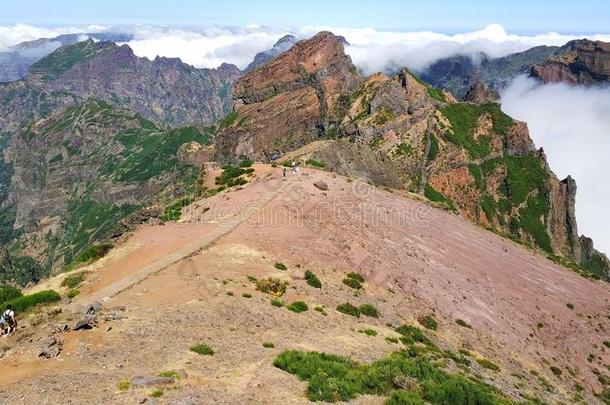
pixel 282 45
pixel 480 93
pixel 292 99
pixel 580 61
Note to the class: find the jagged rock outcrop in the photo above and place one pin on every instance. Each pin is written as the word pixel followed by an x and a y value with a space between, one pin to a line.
pixel 282 45
pixel 579 62
pixel 480 93
pixel 291 100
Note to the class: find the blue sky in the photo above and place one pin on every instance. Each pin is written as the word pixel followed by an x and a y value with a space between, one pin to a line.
pixel 518 16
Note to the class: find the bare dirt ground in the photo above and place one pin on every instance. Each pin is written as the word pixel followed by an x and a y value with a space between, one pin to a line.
pixel 182 283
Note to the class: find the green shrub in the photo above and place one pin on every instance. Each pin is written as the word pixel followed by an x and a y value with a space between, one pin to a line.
pixel 571 306
pixel 277 303
pixel 315 163
pixel 73 280
pixel 280 266
pixel 356 276
pixel 173 212
pixel 25 302
pixel 73 293
pixel 230 293
pixel 9 293
pixel 232 176
pixel 246 295
pixel 349 309
pixel 411 334
pixel 312 279
pixel 404 398
pixel 369 310
pixel 488 364
pixel 203 349
pixel 268 345
pixel 428 322
pixel 298 307
pixel 463 323
pixel 272 286
pixel 368 332
pixel 392 339
pixel 246 163
pixel 556 371
pixel 352 283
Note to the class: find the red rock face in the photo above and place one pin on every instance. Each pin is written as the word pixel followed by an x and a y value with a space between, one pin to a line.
pixel 290 100
pixel 582 62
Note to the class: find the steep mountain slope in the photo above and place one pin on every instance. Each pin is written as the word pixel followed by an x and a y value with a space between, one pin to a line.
pixel 76 174
pixel 418 264
pixel 400 132
pixel 282 45
pixel 164 90
pixel 458 73
pixel 16 61
pixel 581 61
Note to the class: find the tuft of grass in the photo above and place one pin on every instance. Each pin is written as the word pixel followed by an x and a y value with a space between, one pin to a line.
pixel 488 364
pixel 272 286
pixel 349 309
pixel 607 343
pixel 277 303
pixel 202 348
pixel 268 345
pixel 171 374
pixel 73 280
pixel 369 310
pixel 428 322
pixel 556 371
pixel 312 279
pixel 463 323
pixel 392 339
pixel 124 385
pixel 298 307
pixel 411 334
pixel 246 295
pixel 321 310
pixel 230 293
pixel 315 163
pixel 251 279
pixel 352 283
pixel 356 276
pixel 157 393
pixel 368 332
pixel 91 254
pixel 571 306
pixel 280 266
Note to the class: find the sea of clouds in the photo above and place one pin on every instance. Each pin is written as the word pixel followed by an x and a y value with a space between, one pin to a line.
pixel 572 123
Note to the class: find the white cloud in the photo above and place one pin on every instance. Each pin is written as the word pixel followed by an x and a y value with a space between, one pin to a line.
pixel 572 123
pixel 14 34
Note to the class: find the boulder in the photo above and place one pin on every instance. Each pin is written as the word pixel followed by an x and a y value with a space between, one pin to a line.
pixel 320 184
pixel 150 381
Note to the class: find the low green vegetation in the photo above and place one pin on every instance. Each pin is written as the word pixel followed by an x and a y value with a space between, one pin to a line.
pixel 321 310
pixel 280 266
pixel 123 385
pixel 428 322
pixel 431 194
pixel 312 280
pixel 356 276
pixel 298 307
pixel 368 310
pixel 463 323
pixel 272 286
pixel 488 364
pixel 171 374
pixel 315 163
pixel 246 295
pixel 368 332
pixel 8 293
pixel 352 283
pixel 233 176
pixel 202 348
pixel 25 302
pixel 73 293
pixel 73 280
pixel 173 212
pixel 349 309
pixel 92 254
pixel 383 116
pixel 569 305
pixel 268 345
pixel 277 303
pixel 157 393
pixel 403 149
pixel 411 335
pixel 434 148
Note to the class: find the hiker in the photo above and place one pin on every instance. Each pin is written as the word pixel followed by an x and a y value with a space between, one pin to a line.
pixel 8 322
pixel 284 172
pixel 297 169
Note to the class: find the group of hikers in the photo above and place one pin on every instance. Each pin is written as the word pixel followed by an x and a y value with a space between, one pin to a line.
pixel 296 169
pixel 8 323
